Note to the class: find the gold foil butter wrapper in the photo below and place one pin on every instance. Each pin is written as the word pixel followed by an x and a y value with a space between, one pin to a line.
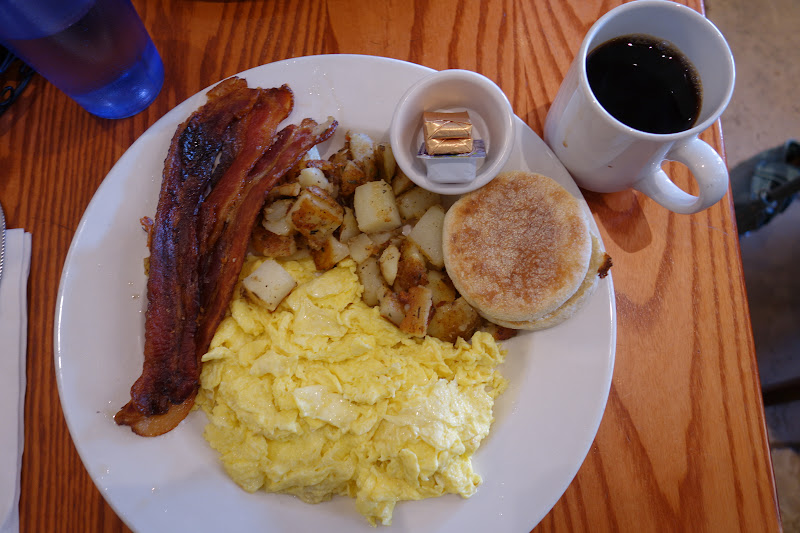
pixel 447 125
pixel 448 146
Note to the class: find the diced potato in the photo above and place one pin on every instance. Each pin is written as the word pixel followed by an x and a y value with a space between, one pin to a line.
pixel 269 244
pixel 270 283
pixel 411 269
pixel 453 320
pixel 362 148
pixel 369 168
pixel 276 217
pixel 352 177
pixel 369 273
pixel 382 237
pixel 341 157
pixel 311 176
pixel 349 227
pixel 391 307
pixel 427 234
pixel 316 215
pixel 332 173
pixel 420 304
pixel 285 190
pixel 384 158
pixel 401 183
pixel 375 207
pixel 389 260
pixel 330 254
pixel 361 247
pixel 441 287
pixel 323 165
pixel 413 203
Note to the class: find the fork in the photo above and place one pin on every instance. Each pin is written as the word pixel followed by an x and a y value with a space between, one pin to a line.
pixel 2 240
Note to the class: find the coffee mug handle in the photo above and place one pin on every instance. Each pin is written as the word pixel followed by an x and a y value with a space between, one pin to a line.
pixel 709 171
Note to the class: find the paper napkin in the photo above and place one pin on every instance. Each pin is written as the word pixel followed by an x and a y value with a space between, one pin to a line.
pixel 13 338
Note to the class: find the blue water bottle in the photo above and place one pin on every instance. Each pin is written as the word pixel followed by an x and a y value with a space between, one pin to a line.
pixel 98 52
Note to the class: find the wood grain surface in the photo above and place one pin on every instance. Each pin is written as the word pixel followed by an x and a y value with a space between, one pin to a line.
pixel 682 445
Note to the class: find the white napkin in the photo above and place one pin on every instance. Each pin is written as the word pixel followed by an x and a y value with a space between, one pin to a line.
pixel 13 339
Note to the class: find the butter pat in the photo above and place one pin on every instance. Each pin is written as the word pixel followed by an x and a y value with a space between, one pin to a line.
pixel 447 133
pixel 447 125
pixel 448 146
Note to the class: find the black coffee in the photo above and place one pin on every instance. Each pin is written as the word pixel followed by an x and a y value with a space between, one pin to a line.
pixel 645 83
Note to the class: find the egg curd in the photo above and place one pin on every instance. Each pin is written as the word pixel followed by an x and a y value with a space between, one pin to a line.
pixel 323 396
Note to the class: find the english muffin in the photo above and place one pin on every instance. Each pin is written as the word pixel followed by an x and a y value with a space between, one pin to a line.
pixel 520 249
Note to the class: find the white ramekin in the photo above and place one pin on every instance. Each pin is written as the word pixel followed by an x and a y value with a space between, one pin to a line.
pixel 453 90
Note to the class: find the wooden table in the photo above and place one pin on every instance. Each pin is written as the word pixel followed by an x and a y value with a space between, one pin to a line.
pixel 682 445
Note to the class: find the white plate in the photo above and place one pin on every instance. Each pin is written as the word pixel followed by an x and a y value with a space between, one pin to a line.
pixel 544 424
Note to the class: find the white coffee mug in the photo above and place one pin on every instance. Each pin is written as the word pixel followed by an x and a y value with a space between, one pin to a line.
pixel 605 155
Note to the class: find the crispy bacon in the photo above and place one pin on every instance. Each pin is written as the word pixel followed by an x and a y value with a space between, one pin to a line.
pixel 273 106
pixel 221 164
pixel 192 164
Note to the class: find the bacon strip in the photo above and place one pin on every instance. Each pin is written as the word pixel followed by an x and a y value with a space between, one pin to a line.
pixel 273 106
pixel 202 150
pixel 221 147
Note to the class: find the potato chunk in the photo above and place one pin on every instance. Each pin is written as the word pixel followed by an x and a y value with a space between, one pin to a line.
pixel 341 157
pixel 391 307
pixel 401 183
pixel 388 262
pixel 284 190
pixel 269 244
pixel 441 287
pixel 420 304
pixel 414 203
pixel 270 283
pixel 427 234
pixel 349 227
pixel 384 158
pixel 276 217
pixel 453 320
pixel 352 177
pixel 362 148
pixel 369 273
pixel 361 247
pixel 382 238
pixel 311 176
pixel 330 253
pixel 375 207
pixel 316 215
pixel 411 269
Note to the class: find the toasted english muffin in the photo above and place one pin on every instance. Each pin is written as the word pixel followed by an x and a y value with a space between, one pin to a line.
pixel 518 248
pixel 598 268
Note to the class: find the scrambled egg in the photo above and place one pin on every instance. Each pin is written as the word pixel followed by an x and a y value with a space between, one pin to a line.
pixel 323 396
